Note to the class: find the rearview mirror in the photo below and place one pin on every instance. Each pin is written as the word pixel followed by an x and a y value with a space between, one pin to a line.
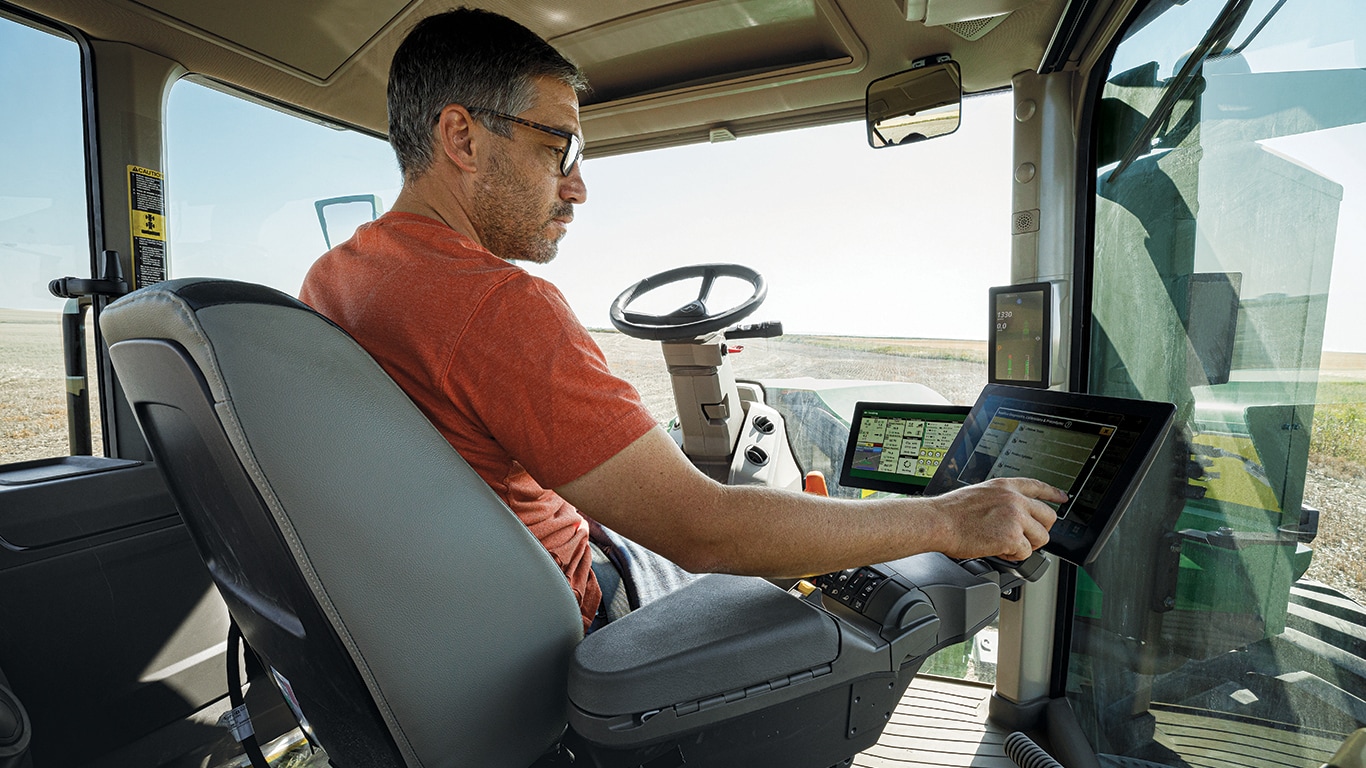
pixel 921 103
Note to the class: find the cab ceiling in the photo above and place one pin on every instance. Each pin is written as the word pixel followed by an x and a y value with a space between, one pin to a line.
pixel 661 73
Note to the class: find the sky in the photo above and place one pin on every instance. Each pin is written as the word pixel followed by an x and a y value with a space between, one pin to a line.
pixel 902 241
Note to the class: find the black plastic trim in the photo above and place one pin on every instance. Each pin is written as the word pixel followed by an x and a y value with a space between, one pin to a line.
pixel 58 468
pixel 1079 367
pixel 53 511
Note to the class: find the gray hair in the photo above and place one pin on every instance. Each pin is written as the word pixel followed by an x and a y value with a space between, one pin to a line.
pixel 470 57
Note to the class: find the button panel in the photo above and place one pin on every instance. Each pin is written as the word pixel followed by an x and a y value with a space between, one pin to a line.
pixel 853 587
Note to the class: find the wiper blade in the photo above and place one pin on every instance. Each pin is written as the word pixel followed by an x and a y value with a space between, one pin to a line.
pixel 1216 37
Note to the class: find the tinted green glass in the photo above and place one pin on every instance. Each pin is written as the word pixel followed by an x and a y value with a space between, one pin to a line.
pixel 1220 625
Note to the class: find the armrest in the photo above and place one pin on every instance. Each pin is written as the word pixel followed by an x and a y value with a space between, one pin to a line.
pixel 718 634
pixel 695 677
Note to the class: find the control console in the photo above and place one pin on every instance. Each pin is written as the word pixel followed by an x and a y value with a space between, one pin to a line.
pixel 1097 449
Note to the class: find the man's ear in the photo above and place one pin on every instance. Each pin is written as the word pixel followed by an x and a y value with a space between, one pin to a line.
pixel 455 137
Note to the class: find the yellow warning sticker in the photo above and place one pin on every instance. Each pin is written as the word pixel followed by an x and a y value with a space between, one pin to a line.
pixel 147 222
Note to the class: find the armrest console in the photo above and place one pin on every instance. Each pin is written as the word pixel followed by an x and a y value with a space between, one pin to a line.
pixel 736 671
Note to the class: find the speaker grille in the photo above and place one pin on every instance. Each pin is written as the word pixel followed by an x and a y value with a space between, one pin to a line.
pixel 975 29
pixel 1025 221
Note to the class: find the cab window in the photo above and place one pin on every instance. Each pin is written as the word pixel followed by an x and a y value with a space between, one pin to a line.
pixel 877 261
pixel 44 235
pixel 1223 620
pixel 245 180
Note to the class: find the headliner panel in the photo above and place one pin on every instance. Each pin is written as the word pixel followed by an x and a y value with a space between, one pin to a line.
pixel 664 72
pixel 336 30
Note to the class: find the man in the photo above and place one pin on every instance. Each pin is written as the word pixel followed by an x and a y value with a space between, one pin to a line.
pixel 484 120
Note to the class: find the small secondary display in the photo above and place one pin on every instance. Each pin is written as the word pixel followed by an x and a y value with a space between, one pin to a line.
pixel 897 447
pixel 1095 448
pixel 1021 332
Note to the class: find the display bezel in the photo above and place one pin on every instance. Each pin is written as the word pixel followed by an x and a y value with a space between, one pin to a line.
pixel 1044 368
pixel 1144 423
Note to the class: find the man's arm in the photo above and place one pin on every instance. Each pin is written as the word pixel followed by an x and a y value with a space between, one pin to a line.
pixel 651 493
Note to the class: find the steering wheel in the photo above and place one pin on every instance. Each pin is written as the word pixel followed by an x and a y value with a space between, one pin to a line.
pixel 692 319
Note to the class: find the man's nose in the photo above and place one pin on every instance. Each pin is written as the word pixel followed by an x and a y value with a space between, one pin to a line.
pixel 572 187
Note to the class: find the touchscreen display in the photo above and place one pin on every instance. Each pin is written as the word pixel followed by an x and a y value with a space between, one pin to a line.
pixel 1095 448
pixel 897 447
pixel 1028 443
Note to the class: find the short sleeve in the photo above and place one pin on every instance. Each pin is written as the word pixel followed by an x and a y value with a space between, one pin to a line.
pixel 540 384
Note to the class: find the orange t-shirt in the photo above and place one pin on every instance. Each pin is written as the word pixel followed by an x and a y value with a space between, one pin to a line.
pixel 496 360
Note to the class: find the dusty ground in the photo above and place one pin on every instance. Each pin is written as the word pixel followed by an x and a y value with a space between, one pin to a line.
pixel 33 407
pixel 33 388
pixel 1339 493
pixel 954 368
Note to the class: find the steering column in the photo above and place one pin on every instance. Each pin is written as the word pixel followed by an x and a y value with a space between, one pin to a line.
pixel 713 413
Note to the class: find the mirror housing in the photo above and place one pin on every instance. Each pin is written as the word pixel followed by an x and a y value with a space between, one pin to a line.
pixel 920 103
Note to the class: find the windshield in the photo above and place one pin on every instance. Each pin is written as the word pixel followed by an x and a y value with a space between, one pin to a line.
pixel 878 262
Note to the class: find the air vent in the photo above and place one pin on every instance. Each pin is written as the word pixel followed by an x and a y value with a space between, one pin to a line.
pixel 756 455
pixel 969 19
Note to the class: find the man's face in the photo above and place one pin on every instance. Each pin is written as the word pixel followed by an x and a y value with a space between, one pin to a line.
pixel 523 204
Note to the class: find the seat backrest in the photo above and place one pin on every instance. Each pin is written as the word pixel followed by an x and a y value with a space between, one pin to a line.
pixel 415 619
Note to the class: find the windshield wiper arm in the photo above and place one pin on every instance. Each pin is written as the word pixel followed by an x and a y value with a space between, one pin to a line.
pixel 1253 34
pixel 1218 34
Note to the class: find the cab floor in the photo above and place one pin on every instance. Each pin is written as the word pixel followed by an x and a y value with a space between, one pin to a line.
pixel 939 722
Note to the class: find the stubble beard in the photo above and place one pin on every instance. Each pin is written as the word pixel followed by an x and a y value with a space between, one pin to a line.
pixel 507 226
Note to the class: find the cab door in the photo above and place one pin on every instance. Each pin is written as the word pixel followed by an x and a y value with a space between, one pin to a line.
pixel 111 637
pixel 1223 624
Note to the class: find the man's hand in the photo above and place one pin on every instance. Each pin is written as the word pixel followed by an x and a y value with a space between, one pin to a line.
pixel 1003 517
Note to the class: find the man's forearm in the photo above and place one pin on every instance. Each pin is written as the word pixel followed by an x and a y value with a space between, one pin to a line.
pixel 651 493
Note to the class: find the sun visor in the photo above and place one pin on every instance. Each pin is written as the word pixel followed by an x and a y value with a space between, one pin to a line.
pixel 711 47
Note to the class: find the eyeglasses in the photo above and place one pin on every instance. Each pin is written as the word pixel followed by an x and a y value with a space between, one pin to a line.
pixel 573 145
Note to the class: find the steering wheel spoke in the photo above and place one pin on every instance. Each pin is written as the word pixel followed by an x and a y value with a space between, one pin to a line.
pixel 708 279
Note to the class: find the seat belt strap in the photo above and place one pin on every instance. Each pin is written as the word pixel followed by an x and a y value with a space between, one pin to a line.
pixel 237 720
